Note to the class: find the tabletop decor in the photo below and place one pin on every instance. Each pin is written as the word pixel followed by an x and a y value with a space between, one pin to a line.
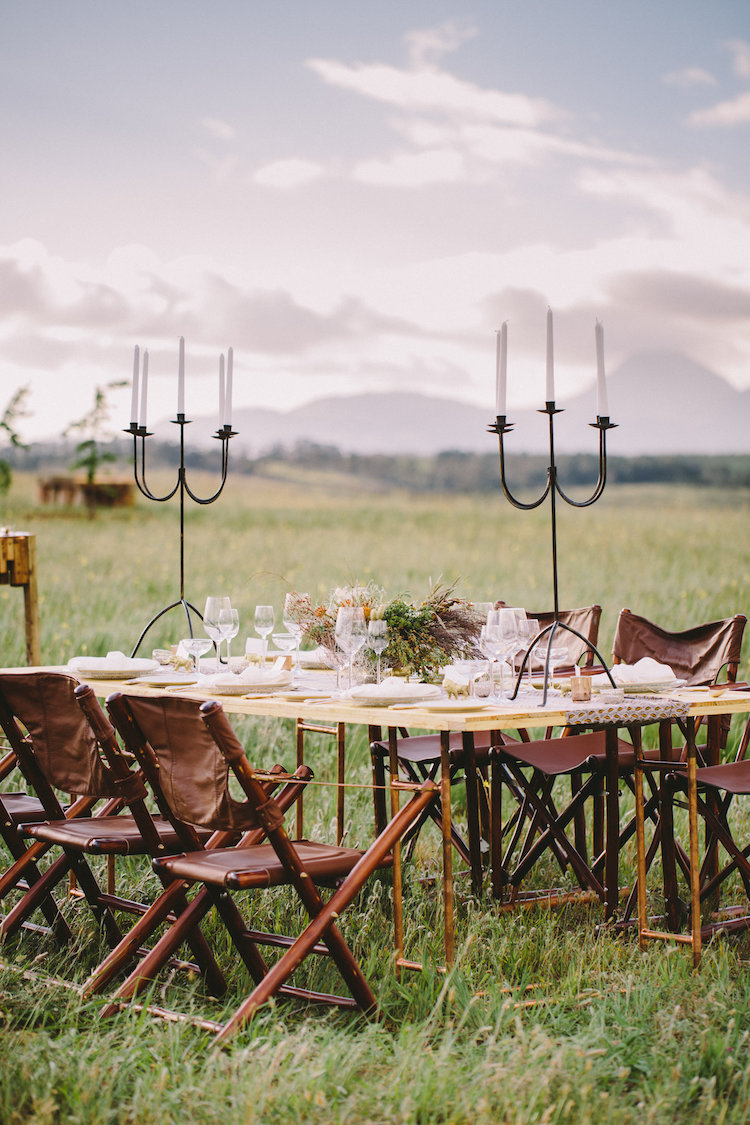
pixel 421 637
pixel 139 429
pixel 552 489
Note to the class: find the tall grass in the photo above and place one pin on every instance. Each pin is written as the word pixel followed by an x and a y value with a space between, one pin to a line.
pixel 541 1020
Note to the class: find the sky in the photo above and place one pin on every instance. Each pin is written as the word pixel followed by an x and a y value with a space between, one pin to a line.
pixel 355 195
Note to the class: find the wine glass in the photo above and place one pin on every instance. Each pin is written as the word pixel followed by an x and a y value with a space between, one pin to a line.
pixel 196 646
pixel 350 633
pixel 264 619
pixel 502 629
pixel 287 643
pixel 491 645
pixel 377 631
pixel 229 624
pixel 211 613
pixel 292 625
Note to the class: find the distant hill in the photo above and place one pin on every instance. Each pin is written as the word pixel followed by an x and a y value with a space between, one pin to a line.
pixel 663 403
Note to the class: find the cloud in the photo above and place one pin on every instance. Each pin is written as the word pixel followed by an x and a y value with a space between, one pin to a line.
pixel 289 174
pixel 219 129
pixel 740 57
pixel 431 90
pixel 413 170
pixel 724 115
pixel 684 297
pixel 689 76
pixel 427 45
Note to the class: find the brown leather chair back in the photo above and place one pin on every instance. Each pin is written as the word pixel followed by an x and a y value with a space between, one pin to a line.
pixel 585 621
pixel 697 655
pixel 193 774
pixel 63 744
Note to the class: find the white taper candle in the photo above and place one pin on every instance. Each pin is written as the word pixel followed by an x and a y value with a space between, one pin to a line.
pixel 221 390
pixel 550 360
pixel 501 372
pixel 228 402
pixel 144 390
pixel 181 378
pixel 602 406
pixel 136 376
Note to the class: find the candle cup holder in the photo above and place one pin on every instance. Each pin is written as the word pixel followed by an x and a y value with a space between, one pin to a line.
pixel 552 489
pixel 181 486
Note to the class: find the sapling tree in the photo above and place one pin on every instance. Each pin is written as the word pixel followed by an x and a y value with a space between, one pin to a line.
pixel 15 409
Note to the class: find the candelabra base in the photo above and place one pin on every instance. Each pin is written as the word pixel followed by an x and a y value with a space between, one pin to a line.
pixel 551 630
pixel 187 607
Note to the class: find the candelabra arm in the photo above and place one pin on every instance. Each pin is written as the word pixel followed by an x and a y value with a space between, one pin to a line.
pixel 223 435
pixel 602 425
pixel 140 475
pixel 500 428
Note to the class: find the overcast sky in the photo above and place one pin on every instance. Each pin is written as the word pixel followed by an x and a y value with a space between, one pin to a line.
pixel 356 194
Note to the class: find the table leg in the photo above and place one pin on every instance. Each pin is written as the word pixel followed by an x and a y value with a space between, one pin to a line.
pixel 695 874
pixel 612 858
pixel 472 811
pixel 398 912
pixel 713 757
pixel 445 800
pixel 375 734
pixel 31 609
pixel 341 779
pixel 300 810
pixel 640 844
pixel 497 872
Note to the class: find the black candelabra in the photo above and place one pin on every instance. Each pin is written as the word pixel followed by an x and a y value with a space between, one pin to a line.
pixel 553 490
pixel 140 432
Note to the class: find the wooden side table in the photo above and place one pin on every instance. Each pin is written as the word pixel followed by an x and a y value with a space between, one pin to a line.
pixel 18 568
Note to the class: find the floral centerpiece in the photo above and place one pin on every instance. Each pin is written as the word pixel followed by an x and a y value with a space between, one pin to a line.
pixel 421 637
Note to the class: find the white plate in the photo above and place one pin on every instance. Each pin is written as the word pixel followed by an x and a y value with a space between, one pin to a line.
pixel 652 686
pixel 97 668
pixel 167 679
pixel 407 693
pixel 459 705
pixel 241 688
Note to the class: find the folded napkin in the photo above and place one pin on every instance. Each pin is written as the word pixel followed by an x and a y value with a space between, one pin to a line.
pixel 395 686
pixel 644 671
pixel 252 677
pixel 113 662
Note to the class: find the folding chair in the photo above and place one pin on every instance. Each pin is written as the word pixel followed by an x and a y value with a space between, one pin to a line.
pixel 420 757
pixel 698 655
pixel 60 751
pixel 17 809
pixel 716 788
pixel 163 735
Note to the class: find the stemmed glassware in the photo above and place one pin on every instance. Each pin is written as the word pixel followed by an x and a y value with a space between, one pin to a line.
pixel 502 631
pixel 229 624
pixel 491 645
pixel 293 626
pixel 351 633
pixel 211 614
pixel 287 642
pixel 264 619
pixel 377 632
pixel 196 646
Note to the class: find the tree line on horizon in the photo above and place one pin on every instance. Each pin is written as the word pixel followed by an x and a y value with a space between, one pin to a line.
pixel 449 471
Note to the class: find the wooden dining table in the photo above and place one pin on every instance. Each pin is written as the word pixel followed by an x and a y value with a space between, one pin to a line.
pixel 688 704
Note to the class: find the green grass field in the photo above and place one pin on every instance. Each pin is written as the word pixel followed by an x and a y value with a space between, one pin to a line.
pixel 541 1021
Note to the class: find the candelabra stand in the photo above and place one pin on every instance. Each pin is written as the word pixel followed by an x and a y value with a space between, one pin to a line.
pixel 552 490
pixel 140 433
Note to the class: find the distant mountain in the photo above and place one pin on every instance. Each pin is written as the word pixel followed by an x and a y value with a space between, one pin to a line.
pixel 663 403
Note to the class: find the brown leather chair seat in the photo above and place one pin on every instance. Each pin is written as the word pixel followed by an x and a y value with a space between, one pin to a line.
pixel 259 866
pixel 112 835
